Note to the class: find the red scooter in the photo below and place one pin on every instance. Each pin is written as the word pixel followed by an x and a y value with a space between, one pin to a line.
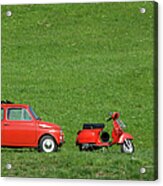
pixel 93 137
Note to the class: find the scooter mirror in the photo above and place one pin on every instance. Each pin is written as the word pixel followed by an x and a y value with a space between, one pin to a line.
pixel 110 113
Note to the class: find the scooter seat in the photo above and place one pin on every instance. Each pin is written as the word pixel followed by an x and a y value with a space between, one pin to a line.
pixel 93 125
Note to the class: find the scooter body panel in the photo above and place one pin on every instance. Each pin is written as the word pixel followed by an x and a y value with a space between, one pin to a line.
pixel 88 136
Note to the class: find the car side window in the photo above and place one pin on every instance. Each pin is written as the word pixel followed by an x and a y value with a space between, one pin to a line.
pixel 26 115
pixel 2 114
pixel 18 114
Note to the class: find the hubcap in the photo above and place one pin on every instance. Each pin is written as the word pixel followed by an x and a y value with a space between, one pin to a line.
pixel 48 145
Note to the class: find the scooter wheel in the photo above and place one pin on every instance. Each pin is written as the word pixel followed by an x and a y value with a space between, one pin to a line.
pixel 127 147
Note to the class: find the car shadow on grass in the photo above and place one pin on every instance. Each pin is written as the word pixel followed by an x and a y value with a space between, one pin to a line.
pixel 23 150
pixel 19 150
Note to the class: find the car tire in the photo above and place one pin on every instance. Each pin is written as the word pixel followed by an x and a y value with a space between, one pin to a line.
pixel 47 144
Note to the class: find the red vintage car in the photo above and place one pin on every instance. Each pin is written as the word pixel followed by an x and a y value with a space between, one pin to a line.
pixel 21 127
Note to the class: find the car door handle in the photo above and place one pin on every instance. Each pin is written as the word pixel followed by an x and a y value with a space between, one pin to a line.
pixel 6 124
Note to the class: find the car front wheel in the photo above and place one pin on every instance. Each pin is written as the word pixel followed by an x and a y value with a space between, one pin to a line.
pixel 47 144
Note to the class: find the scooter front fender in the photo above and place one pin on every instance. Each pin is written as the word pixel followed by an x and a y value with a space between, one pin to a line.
pixel 125 136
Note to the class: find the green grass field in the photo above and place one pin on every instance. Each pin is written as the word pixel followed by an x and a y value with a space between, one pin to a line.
pixel 73 63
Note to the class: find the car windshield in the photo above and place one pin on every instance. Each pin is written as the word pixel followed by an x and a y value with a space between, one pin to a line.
pixel 34 114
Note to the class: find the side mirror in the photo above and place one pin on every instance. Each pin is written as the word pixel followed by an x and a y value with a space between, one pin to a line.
pixel 110 113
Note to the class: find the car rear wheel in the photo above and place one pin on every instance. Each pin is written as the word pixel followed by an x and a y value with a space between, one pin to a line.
pixel 47 144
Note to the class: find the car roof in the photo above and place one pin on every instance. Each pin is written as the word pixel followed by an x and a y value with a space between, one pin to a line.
pixel 13 105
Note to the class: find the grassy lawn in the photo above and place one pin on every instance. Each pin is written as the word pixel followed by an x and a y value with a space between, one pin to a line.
pixel 73 63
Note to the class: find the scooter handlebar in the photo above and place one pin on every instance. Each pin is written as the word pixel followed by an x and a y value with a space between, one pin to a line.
pixel 108 119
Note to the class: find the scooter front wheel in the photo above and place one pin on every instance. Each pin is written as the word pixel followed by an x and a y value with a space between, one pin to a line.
pixel 127 147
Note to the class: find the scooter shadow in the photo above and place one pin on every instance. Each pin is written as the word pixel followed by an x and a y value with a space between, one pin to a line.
pixel 105 151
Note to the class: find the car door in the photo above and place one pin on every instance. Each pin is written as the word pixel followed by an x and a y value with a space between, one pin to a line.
pixel 19 127
pixel 2 125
